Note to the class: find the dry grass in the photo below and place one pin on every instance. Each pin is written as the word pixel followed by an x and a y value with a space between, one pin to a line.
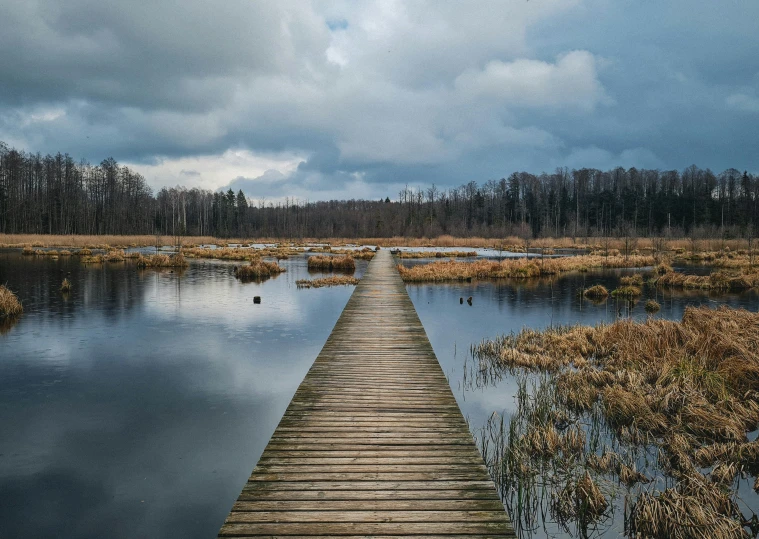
pixel 335 280
pixel 627 291
pixel 162 261
pixel 258 270
pixel 652 306
pixel 511 243
pixel 76 241
pixel 718 280
pixel 437 254
pixel 519 268
pixel 240 253
pixel 698 377
pixel 331 263
pixel 690 388
pixel 66 286
pixel 115 255
pixel 10 306
pixel 596 292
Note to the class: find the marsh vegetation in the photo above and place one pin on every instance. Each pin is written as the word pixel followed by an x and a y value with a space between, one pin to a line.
pixel 334 280
pixel 654 414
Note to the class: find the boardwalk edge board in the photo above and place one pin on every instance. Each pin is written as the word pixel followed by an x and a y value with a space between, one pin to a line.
pixel 373 442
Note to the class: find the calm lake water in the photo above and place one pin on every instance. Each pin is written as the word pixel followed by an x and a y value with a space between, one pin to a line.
pixel 138 404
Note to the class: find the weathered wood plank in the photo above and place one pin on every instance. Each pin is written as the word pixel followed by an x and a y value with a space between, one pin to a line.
pixel 373 443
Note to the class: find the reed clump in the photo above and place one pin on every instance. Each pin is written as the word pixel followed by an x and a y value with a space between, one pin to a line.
pixel 258 270
pixel 718 280
pixel 361 254
pixel 652 306
pixel 516 268
pixel 27 251
pixel 92 259
pixel 332 263
pixel 626 291
pixel 690 388
pixel 10 306
pixel 115 255
pixel 66 286
pixel 162 261
pixel 335 280
pixel 437 254
pixel 596 292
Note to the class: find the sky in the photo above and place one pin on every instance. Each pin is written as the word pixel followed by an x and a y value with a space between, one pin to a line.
pixel 346 99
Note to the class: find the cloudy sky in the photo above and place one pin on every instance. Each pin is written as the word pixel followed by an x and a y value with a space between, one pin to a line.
pixel 320 100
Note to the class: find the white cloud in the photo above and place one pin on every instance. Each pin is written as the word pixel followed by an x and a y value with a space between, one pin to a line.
pixel 571 81
pixel 214 171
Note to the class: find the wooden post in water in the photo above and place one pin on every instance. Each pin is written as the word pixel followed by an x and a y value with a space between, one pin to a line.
pixel 373 442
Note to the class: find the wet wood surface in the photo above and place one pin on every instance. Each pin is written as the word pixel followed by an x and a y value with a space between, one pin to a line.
pixel 373 442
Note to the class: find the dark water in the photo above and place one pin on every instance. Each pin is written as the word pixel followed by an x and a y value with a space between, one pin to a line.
pixel 137 405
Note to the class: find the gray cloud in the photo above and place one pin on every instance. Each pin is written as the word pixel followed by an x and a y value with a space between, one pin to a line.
pixel 375 95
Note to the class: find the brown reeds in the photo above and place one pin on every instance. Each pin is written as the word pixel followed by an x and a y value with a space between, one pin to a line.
pixel 66 286
pixel 335 280
pixel 115 255
pixel 331 263
pixel 162 261
pixel 626 291
pixel 717 280
pixel 652 306
pixel 515 268
pixel 10 306
pixel 258 270
pixel 437 254
pixel 596 292
pixel 689 387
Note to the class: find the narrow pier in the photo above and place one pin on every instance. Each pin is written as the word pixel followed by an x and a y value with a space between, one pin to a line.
pixel 373 442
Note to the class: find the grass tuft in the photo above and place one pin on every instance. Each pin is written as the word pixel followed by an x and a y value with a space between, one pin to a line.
pixel 258 270
pixel 335 280
pixel 10 306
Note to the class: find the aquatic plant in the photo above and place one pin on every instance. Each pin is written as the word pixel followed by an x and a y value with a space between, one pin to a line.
pixel 626 291
pixel 515 268
pixel 335 280
pixel 687 389
pixel 115 255
pixel 10 306
pixel 596 292
pixel 652 306
pixel 258 270
pixel 66 286
pixel 332 263
pixel 161 261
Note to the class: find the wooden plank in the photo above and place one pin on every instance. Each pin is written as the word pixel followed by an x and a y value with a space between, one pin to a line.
pixel 373 443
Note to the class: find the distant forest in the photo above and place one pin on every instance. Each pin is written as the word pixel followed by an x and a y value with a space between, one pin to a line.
pixel 55 194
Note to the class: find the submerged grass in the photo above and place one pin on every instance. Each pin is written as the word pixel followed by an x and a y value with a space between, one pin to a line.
pixel 335 280
pixel 10 306
pixel 688 390
pixel 520 268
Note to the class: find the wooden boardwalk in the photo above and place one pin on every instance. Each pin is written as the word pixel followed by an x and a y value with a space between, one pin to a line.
pixel 373 442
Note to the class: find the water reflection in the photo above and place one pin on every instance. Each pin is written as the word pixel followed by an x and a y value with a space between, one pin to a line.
pixel 140 402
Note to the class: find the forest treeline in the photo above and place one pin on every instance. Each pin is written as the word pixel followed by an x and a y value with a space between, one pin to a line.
pixel 54 194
